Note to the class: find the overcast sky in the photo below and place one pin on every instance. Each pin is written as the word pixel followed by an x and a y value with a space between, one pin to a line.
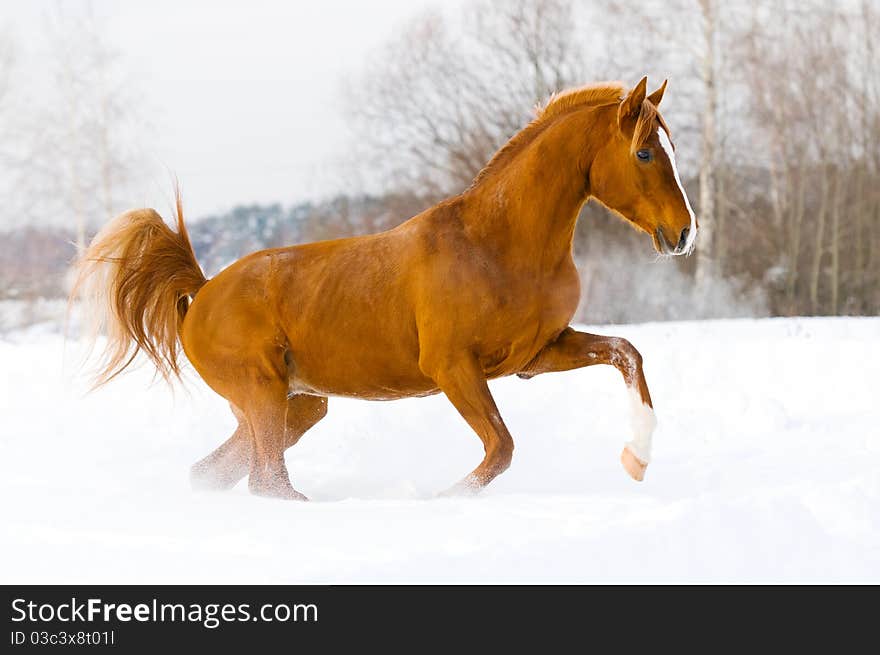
pixel 244 97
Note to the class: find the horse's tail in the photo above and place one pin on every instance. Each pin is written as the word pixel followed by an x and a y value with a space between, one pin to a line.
pixel 139 276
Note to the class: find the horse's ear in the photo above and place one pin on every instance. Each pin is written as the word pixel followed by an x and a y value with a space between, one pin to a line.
pixel 631 107
pixel 657 96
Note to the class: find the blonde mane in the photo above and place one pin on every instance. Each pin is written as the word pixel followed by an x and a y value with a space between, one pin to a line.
pixel 592 95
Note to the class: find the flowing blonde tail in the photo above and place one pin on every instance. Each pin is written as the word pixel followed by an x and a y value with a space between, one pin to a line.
pixel 136 279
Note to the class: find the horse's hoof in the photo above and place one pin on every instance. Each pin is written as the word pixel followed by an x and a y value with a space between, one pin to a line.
pixel 466 487
pixel 633 465
pixel 282 491
pixel 282 494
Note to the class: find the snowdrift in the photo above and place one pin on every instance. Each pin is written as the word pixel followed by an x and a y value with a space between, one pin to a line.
pixel 766 468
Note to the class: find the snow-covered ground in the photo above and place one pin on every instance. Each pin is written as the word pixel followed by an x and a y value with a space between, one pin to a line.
pixel 766 468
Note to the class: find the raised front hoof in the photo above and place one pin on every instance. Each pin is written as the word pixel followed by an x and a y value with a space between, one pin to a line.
pixel 204 478
pixel 274 489
pixel 633 465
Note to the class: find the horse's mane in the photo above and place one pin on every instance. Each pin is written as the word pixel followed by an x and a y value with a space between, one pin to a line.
pixel 592 95
pixel 645 125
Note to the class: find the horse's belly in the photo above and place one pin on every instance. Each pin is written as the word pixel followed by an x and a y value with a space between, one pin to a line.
pixel 371 392
pixel 379 371
pixel 388 389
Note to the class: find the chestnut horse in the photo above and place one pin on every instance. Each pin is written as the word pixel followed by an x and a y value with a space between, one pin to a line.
pixel 480 286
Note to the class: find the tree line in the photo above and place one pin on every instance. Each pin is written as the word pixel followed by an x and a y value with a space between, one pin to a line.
pixel 773 106
pixel 774 109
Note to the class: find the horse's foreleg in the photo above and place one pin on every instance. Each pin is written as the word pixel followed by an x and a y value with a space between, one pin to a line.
pixel 574 349
pixel 465 386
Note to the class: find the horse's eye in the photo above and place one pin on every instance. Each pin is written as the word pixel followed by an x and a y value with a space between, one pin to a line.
pixel 644 155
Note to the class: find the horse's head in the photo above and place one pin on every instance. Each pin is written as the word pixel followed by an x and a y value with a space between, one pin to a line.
pixel 634 174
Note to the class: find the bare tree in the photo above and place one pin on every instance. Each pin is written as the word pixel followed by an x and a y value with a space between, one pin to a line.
pixel 775 110
pixel 813 117
pixel 438 101
pixel 80 151
pixel 708 146
pixel 685 40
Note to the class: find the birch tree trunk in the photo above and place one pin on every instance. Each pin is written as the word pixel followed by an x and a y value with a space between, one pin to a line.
pixel 705 249
pixel 836 200
pixel 721 211
pixel 819 247
pixel 796 219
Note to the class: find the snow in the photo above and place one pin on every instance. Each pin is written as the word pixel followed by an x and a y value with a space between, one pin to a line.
pixel 766 467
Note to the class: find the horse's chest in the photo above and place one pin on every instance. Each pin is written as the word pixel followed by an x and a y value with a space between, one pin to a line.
pixel 511 354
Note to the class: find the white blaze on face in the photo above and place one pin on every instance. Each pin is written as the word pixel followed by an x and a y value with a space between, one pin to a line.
pixel 643 423
pixel 666 144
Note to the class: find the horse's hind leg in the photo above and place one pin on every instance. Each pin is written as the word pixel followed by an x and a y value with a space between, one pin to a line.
pixel 229 463
pixel 265 407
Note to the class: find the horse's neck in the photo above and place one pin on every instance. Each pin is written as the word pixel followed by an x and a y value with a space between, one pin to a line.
pixel 527 211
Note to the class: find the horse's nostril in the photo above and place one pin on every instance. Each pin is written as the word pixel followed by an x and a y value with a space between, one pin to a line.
pixel 683 239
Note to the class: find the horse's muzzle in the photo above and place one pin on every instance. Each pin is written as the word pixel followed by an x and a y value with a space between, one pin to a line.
pixel 664 246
